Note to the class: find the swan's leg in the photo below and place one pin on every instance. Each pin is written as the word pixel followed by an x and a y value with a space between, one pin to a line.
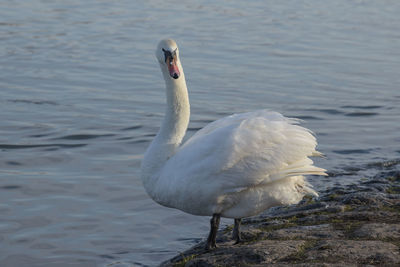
pixel 211 240
pixel 236 231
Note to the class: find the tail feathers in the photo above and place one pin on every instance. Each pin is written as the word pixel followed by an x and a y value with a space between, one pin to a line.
pixel 302 167
pixel 306 170
pixel 305 188
pixel 318 154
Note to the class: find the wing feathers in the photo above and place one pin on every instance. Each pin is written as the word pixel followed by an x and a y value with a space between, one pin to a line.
pixel 244 150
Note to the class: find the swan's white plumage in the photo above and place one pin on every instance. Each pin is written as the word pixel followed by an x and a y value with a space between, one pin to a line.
pixel 236 166
pixel 233 158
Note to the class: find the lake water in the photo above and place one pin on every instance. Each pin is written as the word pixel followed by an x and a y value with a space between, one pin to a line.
pixel 82 96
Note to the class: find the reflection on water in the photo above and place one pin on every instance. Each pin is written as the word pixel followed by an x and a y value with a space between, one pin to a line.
pixel 82 97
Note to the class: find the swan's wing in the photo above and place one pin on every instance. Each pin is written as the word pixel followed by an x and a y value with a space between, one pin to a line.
pixel 241 151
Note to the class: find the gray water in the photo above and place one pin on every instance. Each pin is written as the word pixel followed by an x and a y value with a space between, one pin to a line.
pixel 82 96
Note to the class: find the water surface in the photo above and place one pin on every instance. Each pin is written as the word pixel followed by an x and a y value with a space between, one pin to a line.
pixel 82 96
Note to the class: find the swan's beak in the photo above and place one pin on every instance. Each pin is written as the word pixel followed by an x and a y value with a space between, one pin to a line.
pixel 173 67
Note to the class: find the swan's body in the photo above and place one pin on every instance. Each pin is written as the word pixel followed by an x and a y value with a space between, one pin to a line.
pixel 234 167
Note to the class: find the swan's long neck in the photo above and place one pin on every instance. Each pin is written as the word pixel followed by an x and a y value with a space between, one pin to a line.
pixel 177 112
pixel 173 127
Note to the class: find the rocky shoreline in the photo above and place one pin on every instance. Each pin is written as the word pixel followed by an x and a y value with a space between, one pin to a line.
pixel 357 225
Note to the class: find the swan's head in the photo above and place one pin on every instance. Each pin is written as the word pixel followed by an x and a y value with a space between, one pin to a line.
pixel 167 54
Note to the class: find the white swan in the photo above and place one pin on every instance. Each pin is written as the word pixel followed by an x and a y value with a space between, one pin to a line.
pixel 234 167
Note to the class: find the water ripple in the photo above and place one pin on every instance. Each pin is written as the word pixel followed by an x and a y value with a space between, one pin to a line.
pixel 194 129
pixel 306 118
pixel 82 136
pixel 362 107
pixel 132 128
pixel 329 111
pixel 35 102
pixel 7 146
pixel 13 163
pixel 361 114
pixel 353 151
pixel 10 187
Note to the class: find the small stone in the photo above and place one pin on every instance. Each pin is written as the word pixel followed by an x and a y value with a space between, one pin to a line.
pixel 351 251
pixel 321 231
pixel 378 231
